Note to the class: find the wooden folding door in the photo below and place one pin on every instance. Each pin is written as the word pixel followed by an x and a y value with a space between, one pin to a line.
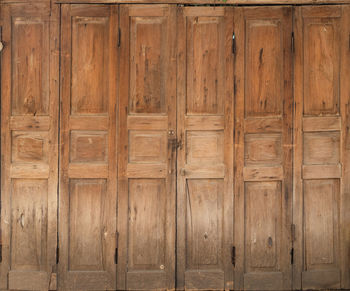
pixel 322 148
pixel 147 147
pixel 88 165
pixel 29 108
pixel 263 148
pixel 205 148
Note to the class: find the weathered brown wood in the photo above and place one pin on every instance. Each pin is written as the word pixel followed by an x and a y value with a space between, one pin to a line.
pixel 88 167
pixel 205 153
pixel 263 139
pixel 320 155
pixel 147 148
pixel 232 2
pixel 29 109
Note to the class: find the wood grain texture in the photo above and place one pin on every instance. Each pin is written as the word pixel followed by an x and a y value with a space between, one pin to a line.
pixel 242 2
pixel 147 148
pixel 205 153
pixel 88 172
pixel 263 139
pixel 320 154
pixel 29 116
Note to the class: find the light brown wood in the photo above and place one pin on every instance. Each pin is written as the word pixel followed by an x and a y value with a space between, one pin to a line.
pixel 88 167
pixel 147 148
pixel 263 139
pixel 171 117
pixel 320 155
pixel 29 165
pixel 205 153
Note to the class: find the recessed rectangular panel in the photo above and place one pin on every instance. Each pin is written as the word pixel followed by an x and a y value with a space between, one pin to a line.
pixel 147 222
pixel 29 146
pixel 263 149
pixel 86 224
pixel 88 146
pixel 30 67
pixel 205 65
pixel 29 225
pixel 205 147
pixel 204 218
pixel 263 213
pixel 147 146
pixel 321 67
pixel 321 148
pixel 89 65
pixel 148 65
pixel 321 211
pixel 263 68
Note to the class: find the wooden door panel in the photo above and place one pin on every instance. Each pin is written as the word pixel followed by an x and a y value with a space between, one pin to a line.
pixel 263 148
pixel 88 148
pixel 321 155
pixel 29 107
pixel 205 134
pixel 146 172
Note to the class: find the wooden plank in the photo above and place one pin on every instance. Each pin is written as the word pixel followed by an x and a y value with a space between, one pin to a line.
pixel 141 281
pixel 262 173
pixel 198 171
pixel 263 125
pixel 241 2
pixel 322 171
pixel 30 123
pixel 88 171
pixel 318 279
pixel 146 171
pixel 147 123
pixel 38 171
pixel 205 279
pixel 206 122
pixel 311 124
pixel 266 281
pixel 24 280
pixel 87 123
pixel 345 150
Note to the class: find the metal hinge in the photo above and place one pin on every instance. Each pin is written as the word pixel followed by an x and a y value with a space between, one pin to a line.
pixel 233 256
pixel 0 253
pixel 57 255
pixel 292 43
pixel 116 256
pixel 292 256
pixel 119 36
pixel 233 43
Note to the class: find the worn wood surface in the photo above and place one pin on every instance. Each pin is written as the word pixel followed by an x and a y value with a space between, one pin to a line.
pixel 88 168
pixel 29 95
pixel 147 148
pixel 205 153
pixel 205 2
pixel 170 135
pixel 321 198
pixel 263 160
